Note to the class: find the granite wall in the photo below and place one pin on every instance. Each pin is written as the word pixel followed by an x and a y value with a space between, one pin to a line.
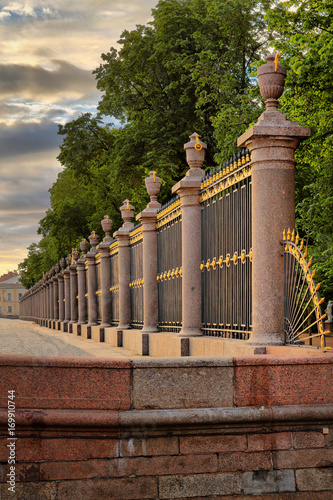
pixel 213 428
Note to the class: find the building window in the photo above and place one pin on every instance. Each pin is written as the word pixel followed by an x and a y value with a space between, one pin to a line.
pixel 10 309
pixel 9 297
pixel 20 295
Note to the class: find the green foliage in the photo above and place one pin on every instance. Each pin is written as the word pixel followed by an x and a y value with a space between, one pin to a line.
pixel 303 32
pixel 188 70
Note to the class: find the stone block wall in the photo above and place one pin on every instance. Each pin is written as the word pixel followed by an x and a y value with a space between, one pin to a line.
pixel 96 429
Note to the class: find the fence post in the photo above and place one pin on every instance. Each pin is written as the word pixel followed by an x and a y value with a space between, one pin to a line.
pixel 67 291
pixel 74 289
pixel 81 279
pixel 272 142
pixel 55 297
pixel 61 292
pixel 148 219
pixel 46 300
pixel 122 235
pixel 50 298
pixel 188 190
pixel 92 303
pixel 104 248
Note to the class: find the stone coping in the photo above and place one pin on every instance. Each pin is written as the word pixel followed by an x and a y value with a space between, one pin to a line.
pixel 185 362
pixel 150 419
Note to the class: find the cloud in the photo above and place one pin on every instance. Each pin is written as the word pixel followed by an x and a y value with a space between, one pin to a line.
pixel 48 51
pixel 65 80
pixel 28 138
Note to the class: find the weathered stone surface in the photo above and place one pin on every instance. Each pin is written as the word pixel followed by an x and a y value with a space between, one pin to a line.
pixel 315 479
pixel 78 469
pixel 269 441
pixel 135 447
pixel 199 485
pixel 127 488
pixel 244 461
pixel 183 383
pixel 209 444
pixel 158 466
pixel 295 459
pixel 308 440
pixel 273 481
pixel 30 491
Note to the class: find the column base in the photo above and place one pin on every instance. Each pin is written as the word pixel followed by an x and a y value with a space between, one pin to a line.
pixel 190 332
pixel 263 339
pixel 123 327
pixel 150 329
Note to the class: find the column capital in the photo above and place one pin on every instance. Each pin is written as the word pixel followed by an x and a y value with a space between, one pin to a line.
pixel 148 219
pixel 273 125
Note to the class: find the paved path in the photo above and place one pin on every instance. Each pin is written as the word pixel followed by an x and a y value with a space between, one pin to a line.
pixel 25 337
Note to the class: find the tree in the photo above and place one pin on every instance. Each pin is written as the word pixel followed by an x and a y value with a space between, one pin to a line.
pixel 303 33
pixel 188 70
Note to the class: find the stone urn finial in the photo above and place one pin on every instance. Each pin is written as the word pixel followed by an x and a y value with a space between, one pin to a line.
pixel 57 269
pixel 94 239
pixel 62 264
pixel 69 259
pixel 106 224
pixel 153 186
pixel 271 78
pixel 195 151
pixel 75 255
pixel 127 213
pixel 84 245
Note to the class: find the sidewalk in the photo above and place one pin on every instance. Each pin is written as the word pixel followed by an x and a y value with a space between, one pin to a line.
pixel 25 337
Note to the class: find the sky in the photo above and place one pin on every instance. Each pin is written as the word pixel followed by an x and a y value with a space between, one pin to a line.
pixel 48 50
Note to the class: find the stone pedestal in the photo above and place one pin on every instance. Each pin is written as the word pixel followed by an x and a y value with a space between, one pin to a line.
pixel 150 286
pixel 81 278
pixel 61 299
pixel 124 279
pixel 74 291
pixel 92 282
pixel 272 142
pixel 123 238
pixel 188 190
pixel 55 300
pixel 148 219
pixel 67 293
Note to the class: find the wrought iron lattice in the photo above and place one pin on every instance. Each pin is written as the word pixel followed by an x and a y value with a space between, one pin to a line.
pixel 136 277
pixel 226 250
pixel 169 262
pixel 114 283
pixel 303 317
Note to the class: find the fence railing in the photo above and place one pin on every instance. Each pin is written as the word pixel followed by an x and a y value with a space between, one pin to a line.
pixel 227 250
pixel 210 262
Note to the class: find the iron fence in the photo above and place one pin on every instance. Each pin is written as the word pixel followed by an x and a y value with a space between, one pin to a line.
pixel 169 266
pixel 114 283
pixel 226 250
pixel 136 276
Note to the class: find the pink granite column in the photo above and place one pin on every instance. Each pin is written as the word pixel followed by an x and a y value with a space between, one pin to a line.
pixel 104 249
pixel 272 142
pixel 92 302
pixel 122 235
pixel 188 190
pixel 47 301
pixel 148 219
pixel 67 290
pixel 61 293
pixel 55 297
pixel 51 293
pixel 81 278
pixel 74 289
